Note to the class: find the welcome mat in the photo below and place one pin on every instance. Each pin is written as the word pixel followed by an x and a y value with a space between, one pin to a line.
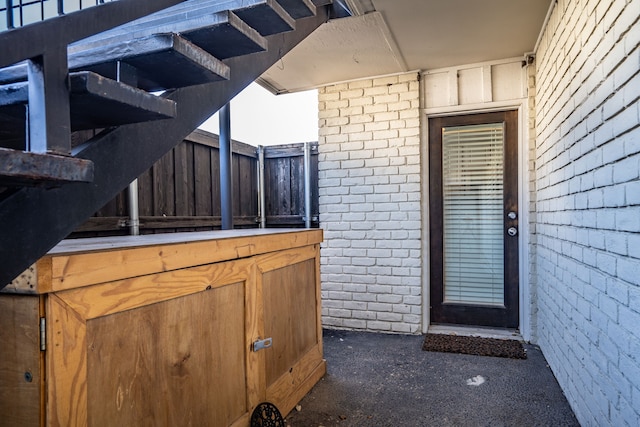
pixel 477 346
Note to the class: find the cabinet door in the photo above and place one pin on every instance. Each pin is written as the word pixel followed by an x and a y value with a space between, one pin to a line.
pixel 20 361
pixel 161 350
pixel 289 283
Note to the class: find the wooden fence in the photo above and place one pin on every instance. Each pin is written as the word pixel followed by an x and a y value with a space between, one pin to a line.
pixel 181 192
pixel 284 185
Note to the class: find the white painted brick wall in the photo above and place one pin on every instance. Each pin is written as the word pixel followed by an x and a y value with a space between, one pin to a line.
pixel 587 162
pixel 369 189
pixel 531 179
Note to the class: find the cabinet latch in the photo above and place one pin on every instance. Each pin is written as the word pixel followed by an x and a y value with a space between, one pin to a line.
pixel 262 344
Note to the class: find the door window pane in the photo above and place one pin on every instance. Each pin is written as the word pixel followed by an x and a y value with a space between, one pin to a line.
pixel 472 170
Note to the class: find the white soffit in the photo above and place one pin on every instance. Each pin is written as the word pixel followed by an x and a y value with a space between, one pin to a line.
pixel 404 35
pixel 436 34
pixel 340 50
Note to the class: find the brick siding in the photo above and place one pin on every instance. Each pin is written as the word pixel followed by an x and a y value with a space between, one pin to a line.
pixel 588 206
pixel 530 178
pixel 369 190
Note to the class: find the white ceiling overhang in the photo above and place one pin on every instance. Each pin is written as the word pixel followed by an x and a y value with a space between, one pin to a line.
pixel 395 36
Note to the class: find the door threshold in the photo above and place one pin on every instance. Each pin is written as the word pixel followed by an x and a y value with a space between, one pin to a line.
pixel 476 331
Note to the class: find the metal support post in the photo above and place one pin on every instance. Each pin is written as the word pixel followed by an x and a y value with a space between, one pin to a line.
pixel 125 73
pixel 10 23
pixel 226 196
pixel 263 207
pixel 49 117
pixel 307 185
pixel 134 210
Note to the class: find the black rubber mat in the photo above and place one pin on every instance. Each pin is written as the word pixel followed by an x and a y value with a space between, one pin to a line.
pixel 474 345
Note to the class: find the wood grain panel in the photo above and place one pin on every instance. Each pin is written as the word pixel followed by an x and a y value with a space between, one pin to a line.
pixel 202 183
pixel 66 365
pixel 190 179
pixel 277 183
pixel 20 396
pixel 293 385
pixel 215 181
pixel 284 258
pixel 256 382
pixel 163 186
pixel 113 297
pixel 289 295
pixel 296 185
pixel 184 179
pixel 69 270
pixel 180 362
pixel 235 185
pixel 145 196
pixel 247 189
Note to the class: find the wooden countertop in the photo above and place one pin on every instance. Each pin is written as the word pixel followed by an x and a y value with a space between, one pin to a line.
pixel 83 262
pixel 72 246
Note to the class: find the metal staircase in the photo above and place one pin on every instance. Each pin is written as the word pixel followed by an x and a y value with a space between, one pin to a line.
pixel 96 69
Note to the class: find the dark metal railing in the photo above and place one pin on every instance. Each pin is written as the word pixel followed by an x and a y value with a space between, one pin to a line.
pixel 16 13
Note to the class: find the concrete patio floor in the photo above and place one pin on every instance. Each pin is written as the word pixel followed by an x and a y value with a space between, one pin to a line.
pixel 387 380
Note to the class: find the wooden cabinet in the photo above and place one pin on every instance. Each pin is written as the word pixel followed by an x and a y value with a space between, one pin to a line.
pixel 160 330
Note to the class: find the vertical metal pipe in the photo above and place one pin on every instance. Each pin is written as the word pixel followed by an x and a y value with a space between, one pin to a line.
pixel 134 209
pixel 49 117
pixel 263 207
pixel 307 185
pixel 258 193
pixel 226 197
pixel 10 14
pixel 127 74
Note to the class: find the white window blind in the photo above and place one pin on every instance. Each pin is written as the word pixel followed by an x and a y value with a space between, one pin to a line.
pixel 472 175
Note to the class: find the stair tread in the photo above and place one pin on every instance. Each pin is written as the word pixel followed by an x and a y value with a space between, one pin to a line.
pixel 95 102
pixel 164 61
pixel 179 12
pixel 191 11
pixel 267 17
pixel 222 34
pixel 234 38
pixel 183 11
pixel 20 168
pixel 298 8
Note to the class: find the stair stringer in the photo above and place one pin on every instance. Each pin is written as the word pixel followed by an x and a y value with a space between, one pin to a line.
pixel 34 219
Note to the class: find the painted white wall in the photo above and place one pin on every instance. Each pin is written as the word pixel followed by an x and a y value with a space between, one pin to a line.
pixel 369 187
pixel 587 167
pixel 259 117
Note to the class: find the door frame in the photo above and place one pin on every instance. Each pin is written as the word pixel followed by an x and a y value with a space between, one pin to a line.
pixel 524 285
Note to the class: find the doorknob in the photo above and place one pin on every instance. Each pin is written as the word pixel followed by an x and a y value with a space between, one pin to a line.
pixel 512 215
pixel 512 231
